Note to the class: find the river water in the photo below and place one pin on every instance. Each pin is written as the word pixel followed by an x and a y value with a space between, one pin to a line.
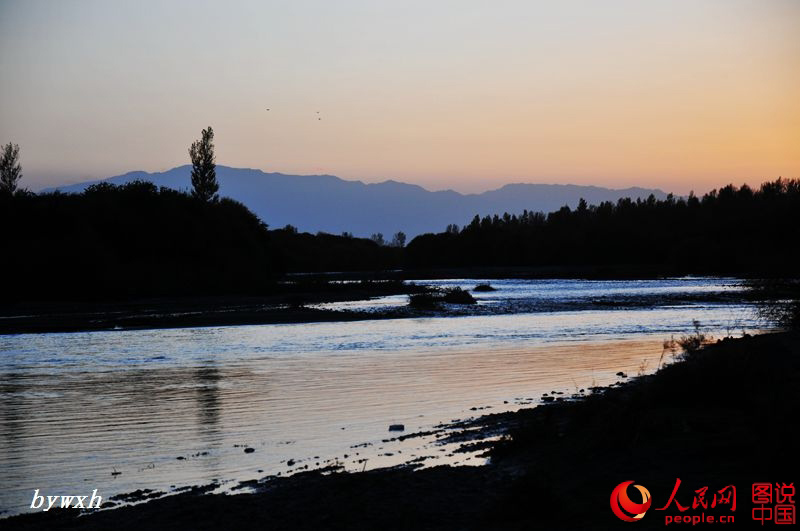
pixel 123 410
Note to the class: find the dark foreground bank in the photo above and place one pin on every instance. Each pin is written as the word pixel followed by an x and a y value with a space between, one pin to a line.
pixel 726 415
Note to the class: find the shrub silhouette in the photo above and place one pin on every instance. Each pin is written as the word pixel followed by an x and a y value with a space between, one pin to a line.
pixel 778 300
pixel 434 298
pixel 458 296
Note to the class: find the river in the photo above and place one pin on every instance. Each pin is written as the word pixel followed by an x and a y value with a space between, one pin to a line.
pixel 123 410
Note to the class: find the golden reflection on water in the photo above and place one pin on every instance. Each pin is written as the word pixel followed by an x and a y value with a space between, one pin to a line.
pixel 66 431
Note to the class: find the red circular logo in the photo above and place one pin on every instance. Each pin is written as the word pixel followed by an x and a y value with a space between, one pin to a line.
pixel 625 508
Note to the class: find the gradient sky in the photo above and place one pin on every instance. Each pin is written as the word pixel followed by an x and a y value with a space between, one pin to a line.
pixel 677 94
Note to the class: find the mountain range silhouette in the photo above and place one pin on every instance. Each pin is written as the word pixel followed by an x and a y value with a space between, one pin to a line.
pixel 327 203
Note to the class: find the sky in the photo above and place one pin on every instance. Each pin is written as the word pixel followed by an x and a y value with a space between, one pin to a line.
pixel 676 94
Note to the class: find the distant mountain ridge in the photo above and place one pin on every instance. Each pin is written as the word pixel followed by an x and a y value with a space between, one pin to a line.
pixel 328 203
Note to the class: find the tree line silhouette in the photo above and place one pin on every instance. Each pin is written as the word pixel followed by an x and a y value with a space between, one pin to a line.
pixel 137 240
pixel 727 231
pixel 130 241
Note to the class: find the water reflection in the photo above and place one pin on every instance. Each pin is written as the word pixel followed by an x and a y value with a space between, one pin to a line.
pixel 208 406
pixel 177 407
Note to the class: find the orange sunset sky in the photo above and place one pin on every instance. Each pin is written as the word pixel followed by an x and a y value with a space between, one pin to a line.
pixel 466 95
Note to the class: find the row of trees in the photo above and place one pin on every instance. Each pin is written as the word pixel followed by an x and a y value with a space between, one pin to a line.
pixel 136 240
pixel 731 230
pixel 736 230
pixel 398 240
pixel 132 241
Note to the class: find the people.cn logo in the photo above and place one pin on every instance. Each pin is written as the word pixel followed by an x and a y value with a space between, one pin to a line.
pixel 625 508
